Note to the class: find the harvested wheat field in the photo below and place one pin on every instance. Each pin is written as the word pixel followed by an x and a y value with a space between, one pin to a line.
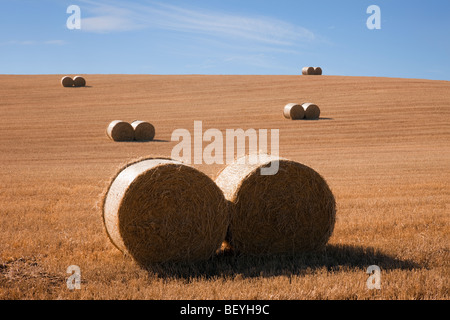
pixel 381 144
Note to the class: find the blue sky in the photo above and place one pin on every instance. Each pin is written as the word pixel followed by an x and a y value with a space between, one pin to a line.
pixel 226 37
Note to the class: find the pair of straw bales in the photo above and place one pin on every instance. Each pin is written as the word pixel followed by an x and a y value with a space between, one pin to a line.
pixel 137 130
pixel 311 71
pixel 296 111
pixel 78 81
pixel 159 210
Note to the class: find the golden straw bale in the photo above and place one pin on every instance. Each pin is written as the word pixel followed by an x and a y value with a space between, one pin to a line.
pixel 143 131
pixel 79 81
pixel 291 211
pixel 67 81
pixel 312 111
pixel 119 130
pixel 307 71
pixel 293 111
pixel 161 210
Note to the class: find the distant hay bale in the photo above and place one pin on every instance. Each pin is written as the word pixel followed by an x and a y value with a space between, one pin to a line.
pixel 79 81
pixel 291 211
pixel 119 130
pixel 161 210
pixel 308 71
pixel 143 131
pixel 67 81
pixel 312 111
pixel 293 111
pixel 318 71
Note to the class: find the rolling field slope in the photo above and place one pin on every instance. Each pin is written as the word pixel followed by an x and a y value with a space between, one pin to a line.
pixel 382 144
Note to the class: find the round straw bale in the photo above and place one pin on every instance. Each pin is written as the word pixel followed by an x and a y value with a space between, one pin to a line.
pixel 312 111
pixel 318 71
pixel 307 71
pixel 67 81
pixel 290 211
pixel 161 210
pixel 143 131
pixel 79 81
pixel 119 130
pixel 293 111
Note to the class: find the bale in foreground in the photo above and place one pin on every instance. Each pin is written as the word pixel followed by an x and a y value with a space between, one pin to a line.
pixel 67 81
pixel 318 71
pixel 289 212
pixel 312 111
pixel 161 210
pixel 79 81
pixel 119 130
pixel 143 131
pixel 293 111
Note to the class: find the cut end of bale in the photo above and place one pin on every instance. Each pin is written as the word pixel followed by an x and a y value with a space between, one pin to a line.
pixel 317 71
pixel 293 111
pixel 119 130
pixel 291 211
pixel 79 81
pixel 153 211
pixel 67 81
pixel 143 131
pixel 312 111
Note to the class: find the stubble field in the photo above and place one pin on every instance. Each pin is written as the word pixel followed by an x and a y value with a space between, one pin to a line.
pixel 382 144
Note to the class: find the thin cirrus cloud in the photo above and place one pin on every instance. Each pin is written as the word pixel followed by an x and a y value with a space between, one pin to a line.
pixel 109 23
pixel 106 17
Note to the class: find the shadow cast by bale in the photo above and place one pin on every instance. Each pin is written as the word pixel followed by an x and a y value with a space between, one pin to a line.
pixel 153 140
pixel 315 119
pixel 333 257
pixel 143 141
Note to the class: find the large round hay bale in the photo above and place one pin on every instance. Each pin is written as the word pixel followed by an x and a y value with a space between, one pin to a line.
pixel 318 71
pixel 143 131
pixel 288 212
pixel 293 111
pixel 307 70
pixel 312 111
pixel 67 81
pixel 161 210
pixel 119 130
pixel 79 81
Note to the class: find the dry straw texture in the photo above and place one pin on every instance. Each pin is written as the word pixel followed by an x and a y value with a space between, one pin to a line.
pixel 143 131
pixel 67 81
pixel 119 130
pixel 312 111
pixel 293 111
pixel 291 211
pixel 307 70
pixel 318 71
pixel 79 81
pixel 161 210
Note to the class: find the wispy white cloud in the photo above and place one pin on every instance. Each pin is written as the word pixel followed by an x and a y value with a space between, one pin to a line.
pixel 108 23
pixel 225 39
pixel 258 29
pixel 113 16
pixel 105 17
